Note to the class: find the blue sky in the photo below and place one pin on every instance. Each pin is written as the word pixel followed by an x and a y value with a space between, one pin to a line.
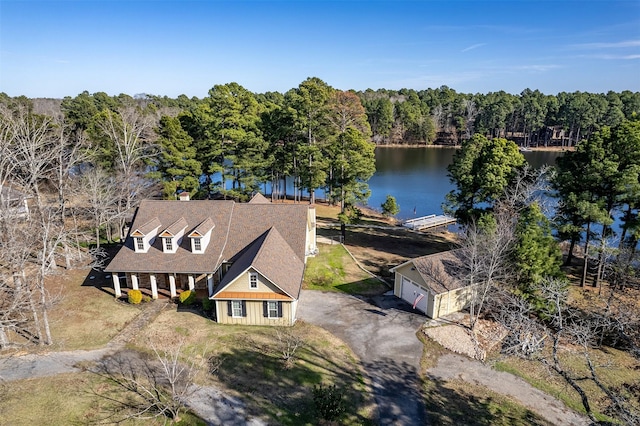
pixel 61 48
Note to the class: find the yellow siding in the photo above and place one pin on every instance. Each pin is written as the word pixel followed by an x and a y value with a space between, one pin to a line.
pixel 241 283
pixel 413 275
pixel 254 314
pixel 453 301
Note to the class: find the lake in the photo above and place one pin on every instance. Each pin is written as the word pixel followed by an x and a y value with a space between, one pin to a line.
pixel 417 177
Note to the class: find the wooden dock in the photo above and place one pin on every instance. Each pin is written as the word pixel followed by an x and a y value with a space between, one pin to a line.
pixel 428 222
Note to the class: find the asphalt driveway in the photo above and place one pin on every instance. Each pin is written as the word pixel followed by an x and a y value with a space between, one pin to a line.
pixel 382 332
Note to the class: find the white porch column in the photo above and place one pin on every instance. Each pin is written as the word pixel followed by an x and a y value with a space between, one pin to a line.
pixel 116 284
pixel 172 285
pixel 154 286
pixel 210 284
pixel 192 282
pixel 134 281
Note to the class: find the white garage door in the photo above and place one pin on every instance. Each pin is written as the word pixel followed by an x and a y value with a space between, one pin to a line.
pixel 411 293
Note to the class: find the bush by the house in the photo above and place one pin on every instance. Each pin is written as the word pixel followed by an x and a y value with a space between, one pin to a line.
pixel 187 297
pixel 207 305
pixel 329 401
pixel 134 296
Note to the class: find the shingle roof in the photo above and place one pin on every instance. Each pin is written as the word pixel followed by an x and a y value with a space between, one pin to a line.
pixel 204 227
pixel 148 226
pixel 175 227
pixel 183 260
pixel 272 257
pixel 439 271
pixel 236 227
pixel 259 199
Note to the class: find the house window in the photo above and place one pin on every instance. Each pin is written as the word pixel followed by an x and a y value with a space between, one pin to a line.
pixel 272 309
pixel 168 244
pixel 237 308
pixel 139 243
pixel 253 280
pixel 197 244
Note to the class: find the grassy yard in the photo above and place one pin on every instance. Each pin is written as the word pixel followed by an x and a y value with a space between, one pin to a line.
pixel 456 402
pixel 85 317
pixel 332 269
pixel 252 365
pixel 61 400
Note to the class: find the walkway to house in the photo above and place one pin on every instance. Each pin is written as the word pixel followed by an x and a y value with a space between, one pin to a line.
pixel 208 402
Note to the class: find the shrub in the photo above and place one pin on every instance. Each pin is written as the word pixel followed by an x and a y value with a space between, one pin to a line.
pixel 187 297
pixel 329 401
pixel 134 296
pixel 207 305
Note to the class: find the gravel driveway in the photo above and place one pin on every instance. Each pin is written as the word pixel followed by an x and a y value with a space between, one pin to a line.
pixel 383 334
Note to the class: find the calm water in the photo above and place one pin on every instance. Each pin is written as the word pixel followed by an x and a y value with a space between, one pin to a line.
pixel 417 177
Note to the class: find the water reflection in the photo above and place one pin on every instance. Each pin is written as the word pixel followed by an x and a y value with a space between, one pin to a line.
pixel 417 177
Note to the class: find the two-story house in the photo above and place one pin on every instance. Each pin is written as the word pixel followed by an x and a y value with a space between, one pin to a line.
pixel 249 258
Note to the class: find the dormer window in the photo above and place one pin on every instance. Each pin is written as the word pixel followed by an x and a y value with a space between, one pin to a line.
pixel 201 235
pixel 172 235
pixel 145 235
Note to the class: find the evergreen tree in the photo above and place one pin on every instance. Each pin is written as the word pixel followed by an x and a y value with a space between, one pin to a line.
pixel 536 253
pixel 390 207
pixel 481 171
pixel 178 167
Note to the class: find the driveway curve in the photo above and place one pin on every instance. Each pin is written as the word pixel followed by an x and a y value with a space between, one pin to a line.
pixel 382 332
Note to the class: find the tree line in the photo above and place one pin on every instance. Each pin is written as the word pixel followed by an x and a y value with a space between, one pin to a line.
pixel 86 161
pixel 530 118
pixel 514 221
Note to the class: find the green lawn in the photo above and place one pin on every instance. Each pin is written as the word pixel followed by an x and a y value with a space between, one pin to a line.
pixel 333 269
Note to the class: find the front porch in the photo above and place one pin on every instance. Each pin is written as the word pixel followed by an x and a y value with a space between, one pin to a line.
pixel 163 294
pixel 163 285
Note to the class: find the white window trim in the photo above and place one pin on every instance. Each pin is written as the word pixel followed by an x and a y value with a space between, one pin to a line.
pixel 236 306
pixel 271 304
pixel 168 244
pixel 197 244
pixel 252 276
pixel 139 243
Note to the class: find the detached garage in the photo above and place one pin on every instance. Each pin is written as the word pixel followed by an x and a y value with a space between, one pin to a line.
pixel 428 284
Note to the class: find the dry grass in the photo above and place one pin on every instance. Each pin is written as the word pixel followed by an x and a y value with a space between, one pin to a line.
pixel 86 317
pixel 456 402
pixel 65 399
pixel 252 366
pixel 60 400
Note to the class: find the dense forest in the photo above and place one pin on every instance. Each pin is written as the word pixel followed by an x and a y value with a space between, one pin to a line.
pixel 84 163
pixel 233 141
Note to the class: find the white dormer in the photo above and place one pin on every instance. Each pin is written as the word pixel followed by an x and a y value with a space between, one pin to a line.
pixel 201 235
pixel 145 235
pixel 172 236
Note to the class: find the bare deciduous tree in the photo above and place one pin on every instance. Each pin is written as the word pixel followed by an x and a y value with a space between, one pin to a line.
pixel 485 249
pixel 288 342
pixel 157 386
pixel 533 328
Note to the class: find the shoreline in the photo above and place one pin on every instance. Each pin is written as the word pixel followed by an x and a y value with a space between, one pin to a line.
pixel 415 146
